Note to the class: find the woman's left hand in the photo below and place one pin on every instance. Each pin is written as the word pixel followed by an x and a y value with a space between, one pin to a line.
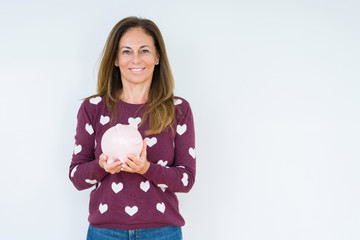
pixel 137 164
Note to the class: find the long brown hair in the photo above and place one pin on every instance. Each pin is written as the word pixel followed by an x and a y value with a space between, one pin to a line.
pixel 160 107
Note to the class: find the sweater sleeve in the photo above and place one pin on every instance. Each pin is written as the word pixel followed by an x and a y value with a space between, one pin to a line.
pixel 85 170
pixel 181 176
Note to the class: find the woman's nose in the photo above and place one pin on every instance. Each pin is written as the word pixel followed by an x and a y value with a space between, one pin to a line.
pixel 136 58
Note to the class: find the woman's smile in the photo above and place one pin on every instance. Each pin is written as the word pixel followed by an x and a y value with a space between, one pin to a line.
pixel 136 70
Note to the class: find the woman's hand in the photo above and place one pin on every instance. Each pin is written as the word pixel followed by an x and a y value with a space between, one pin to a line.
pixel 112 168
pixel 137 164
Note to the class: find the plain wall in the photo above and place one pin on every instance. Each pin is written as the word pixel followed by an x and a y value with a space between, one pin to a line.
pixel 274 87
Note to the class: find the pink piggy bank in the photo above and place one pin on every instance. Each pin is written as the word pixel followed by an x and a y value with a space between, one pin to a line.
pixel 121 140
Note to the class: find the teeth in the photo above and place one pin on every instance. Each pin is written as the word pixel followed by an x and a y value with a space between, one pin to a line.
pixel 136 69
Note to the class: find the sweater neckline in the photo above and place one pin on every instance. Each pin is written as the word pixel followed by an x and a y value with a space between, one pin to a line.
pixel 132 104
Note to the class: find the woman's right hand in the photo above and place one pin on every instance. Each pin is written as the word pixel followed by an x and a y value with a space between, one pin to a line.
pixel 112 168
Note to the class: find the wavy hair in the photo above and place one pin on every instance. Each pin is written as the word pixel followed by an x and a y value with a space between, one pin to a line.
pixel 160 108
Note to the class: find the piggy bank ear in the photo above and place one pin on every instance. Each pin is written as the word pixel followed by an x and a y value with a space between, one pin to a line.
pixel 133 125
pixel 118 126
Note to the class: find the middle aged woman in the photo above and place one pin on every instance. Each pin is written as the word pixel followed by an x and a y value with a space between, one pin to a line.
pixel 137 198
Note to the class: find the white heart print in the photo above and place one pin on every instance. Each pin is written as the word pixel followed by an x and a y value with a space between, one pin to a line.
pixel 131 210
pixel 90 181
pixel 162 186
pixel 117 187
pixel 185 179
pixel 73 171
pixel 177 101
pixel 160 207
pixel 77 149
pixel 89 128
pixel 145 186
pixel 192 152
pixel 104 119
pixel 134 120
pixel 103 208
pixel 180 129
pixel 95 100
pixel 151 141
pixel 162 163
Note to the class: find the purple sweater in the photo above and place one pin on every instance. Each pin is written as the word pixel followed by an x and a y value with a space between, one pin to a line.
pixel 129 200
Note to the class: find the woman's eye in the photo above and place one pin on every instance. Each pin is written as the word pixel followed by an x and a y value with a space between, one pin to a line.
pixel 126 52
pixel 144 51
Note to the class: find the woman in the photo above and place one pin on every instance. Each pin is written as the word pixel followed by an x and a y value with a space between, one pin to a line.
pixel 135 84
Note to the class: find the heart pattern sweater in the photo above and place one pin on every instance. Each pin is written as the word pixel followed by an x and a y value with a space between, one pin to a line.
pixel 129 200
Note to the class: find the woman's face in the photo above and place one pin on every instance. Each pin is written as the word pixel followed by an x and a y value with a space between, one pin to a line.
pixel 136 57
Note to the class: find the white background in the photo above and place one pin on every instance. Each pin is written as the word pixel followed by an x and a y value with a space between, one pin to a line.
pixel 274 87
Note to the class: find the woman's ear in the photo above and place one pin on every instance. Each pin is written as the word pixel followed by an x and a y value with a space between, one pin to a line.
pixel 158 56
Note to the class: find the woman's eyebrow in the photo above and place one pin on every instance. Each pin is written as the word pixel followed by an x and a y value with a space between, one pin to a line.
pixel 140 46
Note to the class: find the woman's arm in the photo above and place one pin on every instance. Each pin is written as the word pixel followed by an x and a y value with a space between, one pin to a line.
pixel 85 171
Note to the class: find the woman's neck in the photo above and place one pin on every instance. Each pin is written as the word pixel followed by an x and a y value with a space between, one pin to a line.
pixel 134 94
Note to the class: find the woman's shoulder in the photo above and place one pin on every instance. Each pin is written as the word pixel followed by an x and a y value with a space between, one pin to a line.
pixel 94 100
pixel 94 103
pixel 93 107
pixel 181 102
pixel 182 107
